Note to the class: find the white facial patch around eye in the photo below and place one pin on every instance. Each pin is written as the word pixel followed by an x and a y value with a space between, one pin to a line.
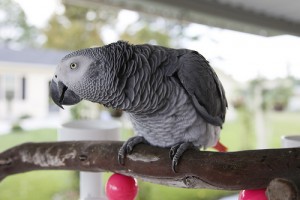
pixel 82 65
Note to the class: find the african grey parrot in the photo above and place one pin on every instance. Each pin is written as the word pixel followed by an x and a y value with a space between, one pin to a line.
pixel 173 97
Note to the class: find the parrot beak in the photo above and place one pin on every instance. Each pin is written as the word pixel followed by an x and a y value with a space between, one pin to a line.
pixel 61 95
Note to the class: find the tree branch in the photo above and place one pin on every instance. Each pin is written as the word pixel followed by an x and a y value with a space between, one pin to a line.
pixel 229 171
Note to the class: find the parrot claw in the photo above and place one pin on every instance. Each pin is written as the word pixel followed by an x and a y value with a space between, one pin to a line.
pixel 128 146
pixel 176 152
pixel 173 150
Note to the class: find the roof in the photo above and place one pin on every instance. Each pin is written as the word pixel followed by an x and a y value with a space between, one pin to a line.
pixel 30 55
pixel 263 17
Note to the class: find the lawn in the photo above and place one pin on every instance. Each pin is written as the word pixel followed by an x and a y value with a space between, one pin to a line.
pixel 238 136
pixel 281 124
pixel 48 185
pixel 36 185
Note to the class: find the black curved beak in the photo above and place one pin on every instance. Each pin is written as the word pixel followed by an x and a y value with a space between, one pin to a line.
pixel 61 95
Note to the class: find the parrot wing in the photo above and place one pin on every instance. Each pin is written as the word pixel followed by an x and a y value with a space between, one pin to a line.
pixel 203 85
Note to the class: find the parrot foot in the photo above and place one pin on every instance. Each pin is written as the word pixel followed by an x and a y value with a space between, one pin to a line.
pixel 177 150
pixel 128 146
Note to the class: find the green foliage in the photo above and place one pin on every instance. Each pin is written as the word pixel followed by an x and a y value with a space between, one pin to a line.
pixel 278 97
pixel 70 37
pixel 78 27
pixel 13 25
pixel 16 127
pixel 275 95
pixel 154 30
pixel 147 35
pixel 76 111
pixel 85 110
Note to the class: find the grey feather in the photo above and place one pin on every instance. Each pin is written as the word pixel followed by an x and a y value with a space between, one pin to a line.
pixel 204 87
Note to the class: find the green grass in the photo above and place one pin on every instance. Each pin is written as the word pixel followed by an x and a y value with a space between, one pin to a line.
pixel 35 185
pixel 152 191
pixel 238 136
pixel 280 124
pixel 15 138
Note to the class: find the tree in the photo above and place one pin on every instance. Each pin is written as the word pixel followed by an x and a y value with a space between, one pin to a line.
pixel 154 30
pixel 146 35
pixel 13 25
pixel 78 27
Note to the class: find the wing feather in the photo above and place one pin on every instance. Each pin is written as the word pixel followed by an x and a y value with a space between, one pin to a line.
pixel 203 85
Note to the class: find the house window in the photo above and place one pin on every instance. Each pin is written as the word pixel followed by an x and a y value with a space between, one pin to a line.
pixel 23 82
pixel 13 87
pixel 9 87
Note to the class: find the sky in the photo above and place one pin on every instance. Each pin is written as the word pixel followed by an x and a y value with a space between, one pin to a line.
pixel 240 55
pixel 38 12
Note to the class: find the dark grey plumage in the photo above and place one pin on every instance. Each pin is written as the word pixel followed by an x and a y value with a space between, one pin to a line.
pixel 172 96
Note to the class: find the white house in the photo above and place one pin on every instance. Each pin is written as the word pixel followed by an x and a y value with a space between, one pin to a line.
pixel 24 82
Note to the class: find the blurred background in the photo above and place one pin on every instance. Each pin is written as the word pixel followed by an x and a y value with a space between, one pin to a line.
pixel 256 59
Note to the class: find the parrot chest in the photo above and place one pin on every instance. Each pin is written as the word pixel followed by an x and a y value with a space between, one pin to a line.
pixel 177 122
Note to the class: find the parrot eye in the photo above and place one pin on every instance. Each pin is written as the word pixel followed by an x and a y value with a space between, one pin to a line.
pixel 73 65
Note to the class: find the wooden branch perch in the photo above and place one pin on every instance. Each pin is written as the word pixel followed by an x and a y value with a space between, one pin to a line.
pixel 228 171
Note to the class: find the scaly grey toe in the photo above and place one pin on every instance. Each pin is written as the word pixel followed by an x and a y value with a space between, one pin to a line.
pixel 177 151
pixel 128 146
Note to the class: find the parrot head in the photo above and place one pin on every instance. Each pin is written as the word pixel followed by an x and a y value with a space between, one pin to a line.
pixel 80 75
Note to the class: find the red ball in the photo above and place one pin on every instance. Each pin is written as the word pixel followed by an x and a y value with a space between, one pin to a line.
pixel 259 194
pixel 122 187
